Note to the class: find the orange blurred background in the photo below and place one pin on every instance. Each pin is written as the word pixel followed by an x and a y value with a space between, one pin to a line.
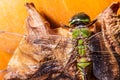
pixel 57 12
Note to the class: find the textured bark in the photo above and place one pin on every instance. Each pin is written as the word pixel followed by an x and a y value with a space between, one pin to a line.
pixel 40 55
pixel 105 62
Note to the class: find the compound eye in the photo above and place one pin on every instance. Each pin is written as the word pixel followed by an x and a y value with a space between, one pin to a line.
pixel 79 24
pixel 79 19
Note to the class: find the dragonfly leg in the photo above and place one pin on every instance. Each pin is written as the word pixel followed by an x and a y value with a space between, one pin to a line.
pixel 83 74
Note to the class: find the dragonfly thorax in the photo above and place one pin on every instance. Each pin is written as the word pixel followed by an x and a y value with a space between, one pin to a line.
pixel 80 32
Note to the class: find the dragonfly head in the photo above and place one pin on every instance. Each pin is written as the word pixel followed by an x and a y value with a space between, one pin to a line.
pixel 79 20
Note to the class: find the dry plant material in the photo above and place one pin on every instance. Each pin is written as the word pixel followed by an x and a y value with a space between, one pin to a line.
pixel 39 55
pixel 44 56
pixel 105 63
pixel 110 22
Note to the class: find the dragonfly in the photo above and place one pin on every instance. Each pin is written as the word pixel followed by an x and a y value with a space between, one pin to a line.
pixel 82 47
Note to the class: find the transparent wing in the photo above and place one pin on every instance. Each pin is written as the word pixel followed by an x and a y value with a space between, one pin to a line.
pixel 53 41
pixel 9 41
pixel 51 47
pixel 56 45
pixel 97 44
pixel 46 49
pixel 105 63
pixel 2 73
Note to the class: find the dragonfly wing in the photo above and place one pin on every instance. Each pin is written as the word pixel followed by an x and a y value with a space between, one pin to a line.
pixel 60 46
pixel 105 46
pixel 53 51
pixel 96 42
pixel 9 41
pixel 56 51
pixel 105 65
pixel 37 49
pixel 2 73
